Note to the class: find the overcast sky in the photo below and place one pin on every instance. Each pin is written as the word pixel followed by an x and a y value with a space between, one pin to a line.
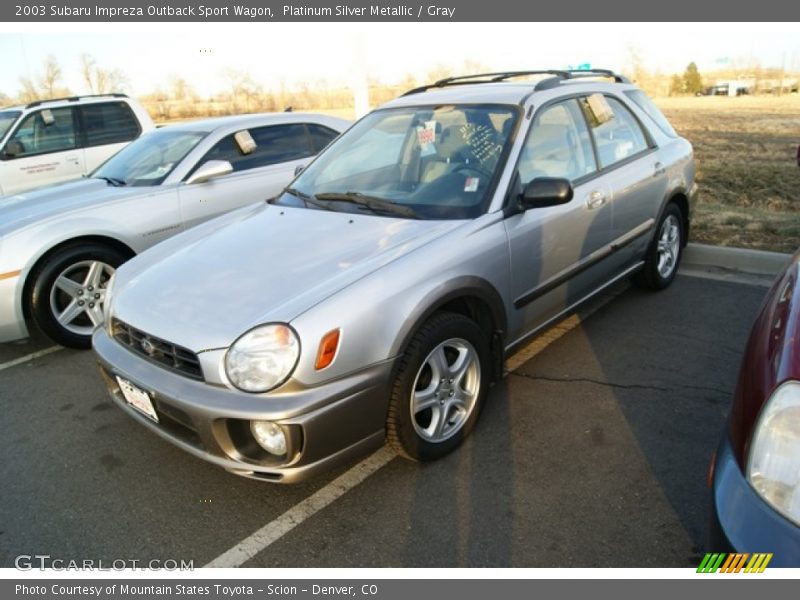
pixel 149 54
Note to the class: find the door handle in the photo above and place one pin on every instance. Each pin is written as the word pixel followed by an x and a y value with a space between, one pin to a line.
pixel 596 199
pixel 659 169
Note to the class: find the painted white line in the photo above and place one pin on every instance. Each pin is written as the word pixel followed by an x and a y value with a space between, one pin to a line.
pixel 29 357
pixel 728 276
pixel 273 531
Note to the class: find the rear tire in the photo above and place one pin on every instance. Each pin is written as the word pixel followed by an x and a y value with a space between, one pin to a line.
pixel 439 388
pixel 664 254
pixel 68 292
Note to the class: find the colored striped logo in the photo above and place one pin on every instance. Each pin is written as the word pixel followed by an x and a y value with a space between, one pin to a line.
pixel 734 563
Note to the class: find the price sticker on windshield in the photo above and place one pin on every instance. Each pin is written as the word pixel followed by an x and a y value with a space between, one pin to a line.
pixel 426 136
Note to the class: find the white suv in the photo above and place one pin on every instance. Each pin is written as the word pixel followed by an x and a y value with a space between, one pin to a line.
pixel 50 141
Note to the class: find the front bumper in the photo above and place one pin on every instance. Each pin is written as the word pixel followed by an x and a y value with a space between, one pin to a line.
pixel 12 320
pixel 326 425
pixel 742 522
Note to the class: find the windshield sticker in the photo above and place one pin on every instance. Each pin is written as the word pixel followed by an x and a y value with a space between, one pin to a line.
pixel 426 136
pixel 245 141
pixel 471 184
pixel 599 109
pixel 482 141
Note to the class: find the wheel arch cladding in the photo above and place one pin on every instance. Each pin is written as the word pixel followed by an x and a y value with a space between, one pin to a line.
pixel 682 202
pixel 472 297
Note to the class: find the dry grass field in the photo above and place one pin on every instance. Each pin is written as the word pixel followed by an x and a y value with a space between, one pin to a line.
pixel 746 151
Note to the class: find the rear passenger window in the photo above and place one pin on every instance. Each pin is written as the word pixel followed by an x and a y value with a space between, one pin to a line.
pixel 618 138
pixel 44 131
pixel 274 144
pixel 320 136
pixel 281 143
pixel 109 123
pixel 652 111
pixel 558 145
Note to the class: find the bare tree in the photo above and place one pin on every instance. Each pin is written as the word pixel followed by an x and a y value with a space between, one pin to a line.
pixel 29 92
pixel 48 80
pixel 100 80
pixel 242 86
pixel 88 66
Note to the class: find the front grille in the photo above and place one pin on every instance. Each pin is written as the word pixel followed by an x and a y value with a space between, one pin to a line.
pixel 161 352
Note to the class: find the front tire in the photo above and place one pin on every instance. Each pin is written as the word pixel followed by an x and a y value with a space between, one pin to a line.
pixel 439 388
pixel 664 254
pixel 68 292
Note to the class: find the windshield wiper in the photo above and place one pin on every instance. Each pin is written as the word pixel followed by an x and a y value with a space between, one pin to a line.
pixel 373 203
pixel 304 197
pixel 116 182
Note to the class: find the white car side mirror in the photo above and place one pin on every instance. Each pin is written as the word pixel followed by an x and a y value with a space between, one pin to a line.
pixel 210 170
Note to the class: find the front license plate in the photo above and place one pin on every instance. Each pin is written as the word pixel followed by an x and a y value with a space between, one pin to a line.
pixel 137 398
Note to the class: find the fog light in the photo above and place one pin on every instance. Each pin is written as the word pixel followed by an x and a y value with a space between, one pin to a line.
pixel 269 436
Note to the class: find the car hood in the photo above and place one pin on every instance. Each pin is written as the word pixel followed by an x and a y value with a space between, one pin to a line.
pixel 21 210
pixel 205 288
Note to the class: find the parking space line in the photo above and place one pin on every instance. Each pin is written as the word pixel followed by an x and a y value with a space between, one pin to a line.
pixel 274 530
pixel 29 357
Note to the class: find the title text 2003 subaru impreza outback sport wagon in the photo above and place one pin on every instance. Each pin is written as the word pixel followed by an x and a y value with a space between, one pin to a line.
pixel 376 297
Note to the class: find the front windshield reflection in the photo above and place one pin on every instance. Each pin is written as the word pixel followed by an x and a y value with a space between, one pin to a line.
pixel 431 162
pixel 150 159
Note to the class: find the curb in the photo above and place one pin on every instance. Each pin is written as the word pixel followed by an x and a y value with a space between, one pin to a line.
pixel 756 262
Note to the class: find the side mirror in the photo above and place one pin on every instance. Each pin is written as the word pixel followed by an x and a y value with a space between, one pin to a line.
pixel 210 170
pixel 13 148
pixel 545 191
pixel 298 169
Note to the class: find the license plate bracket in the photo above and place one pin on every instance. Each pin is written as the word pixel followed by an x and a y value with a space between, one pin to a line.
pixel 137 398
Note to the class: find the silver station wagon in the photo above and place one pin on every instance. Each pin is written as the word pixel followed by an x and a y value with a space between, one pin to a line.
pixel 375 299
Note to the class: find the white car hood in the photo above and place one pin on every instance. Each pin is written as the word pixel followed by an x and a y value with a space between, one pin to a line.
pixel 35 206
pixel 204 288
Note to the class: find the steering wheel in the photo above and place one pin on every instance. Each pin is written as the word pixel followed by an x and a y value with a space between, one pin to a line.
pixel 470 168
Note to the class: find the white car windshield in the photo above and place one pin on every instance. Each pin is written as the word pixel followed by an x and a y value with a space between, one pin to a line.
pixel 150 159
pixel 432 162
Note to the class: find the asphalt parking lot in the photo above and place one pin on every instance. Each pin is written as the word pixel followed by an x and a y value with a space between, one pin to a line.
pixel 592 453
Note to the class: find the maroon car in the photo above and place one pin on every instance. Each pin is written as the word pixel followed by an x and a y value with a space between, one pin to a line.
pixel 755 476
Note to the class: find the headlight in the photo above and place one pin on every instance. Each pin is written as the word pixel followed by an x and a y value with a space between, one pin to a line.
pixel 263 358
pixel 773 466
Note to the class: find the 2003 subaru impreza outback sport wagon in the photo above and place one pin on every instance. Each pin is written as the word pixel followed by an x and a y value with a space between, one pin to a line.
pixel 376 297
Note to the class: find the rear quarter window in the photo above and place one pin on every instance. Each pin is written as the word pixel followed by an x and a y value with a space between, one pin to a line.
pixel 109 123
pixel 648 106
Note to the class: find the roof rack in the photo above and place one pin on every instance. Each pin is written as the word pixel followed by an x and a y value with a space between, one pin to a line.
pixel 557 76
pixel 74 99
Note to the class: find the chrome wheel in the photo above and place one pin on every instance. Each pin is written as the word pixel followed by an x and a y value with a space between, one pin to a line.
pixel 669 240
pixel 78 294
pixel 445 390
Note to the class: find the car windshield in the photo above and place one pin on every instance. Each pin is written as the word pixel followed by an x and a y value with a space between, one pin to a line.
pixel 434 162
pixel 149 160
pixel 7 119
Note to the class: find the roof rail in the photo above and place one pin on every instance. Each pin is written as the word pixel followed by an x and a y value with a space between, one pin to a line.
pixel 552 82
pixel 557 75
pixel 74 99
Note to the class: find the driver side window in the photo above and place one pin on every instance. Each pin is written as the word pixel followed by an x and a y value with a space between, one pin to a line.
pixel 558 145
pixel 39 135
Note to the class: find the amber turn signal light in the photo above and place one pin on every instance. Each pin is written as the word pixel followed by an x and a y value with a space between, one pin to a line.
pixel 327 349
